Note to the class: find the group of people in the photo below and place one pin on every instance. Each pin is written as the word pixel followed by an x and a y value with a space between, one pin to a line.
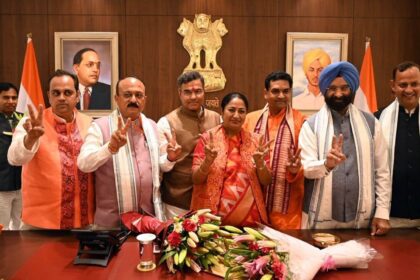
pixel 338 168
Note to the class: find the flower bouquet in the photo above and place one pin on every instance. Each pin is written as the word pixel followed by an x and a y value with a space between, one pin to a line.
pixel 198 241
pixel 255 256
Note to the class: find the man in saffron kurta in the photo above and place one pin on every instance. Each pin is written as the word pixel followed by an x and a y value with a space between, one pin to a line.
pixel 56 194
pixel 123 151
pixel 281 124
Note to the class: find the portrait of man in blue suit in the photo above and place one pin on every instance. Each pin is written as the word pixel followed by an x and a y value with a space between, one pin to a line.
pixel 94 95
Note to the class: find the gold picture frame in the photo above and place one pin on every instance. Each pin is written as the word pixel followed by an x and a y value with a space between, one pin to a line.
pixel 66 44
pixel 300 43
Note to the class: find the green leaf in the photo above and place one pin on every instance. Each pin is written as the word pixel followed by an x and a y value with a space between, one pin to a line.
pixel 227 273
pixel 167 255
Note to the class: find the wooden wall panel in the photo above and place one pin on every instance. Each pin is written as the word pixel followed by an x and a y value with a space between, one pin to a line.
pixel 18 7
pixel 250 51
pixel 157 57
pixel 83 7
pixel 386 8
pixel 13 45
pixel 150 48
pixel 318 8
pixel 191 7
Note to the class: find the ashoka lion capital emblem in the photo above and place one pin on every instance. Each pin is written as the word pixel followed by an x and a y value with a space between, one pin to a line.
pixel 204 38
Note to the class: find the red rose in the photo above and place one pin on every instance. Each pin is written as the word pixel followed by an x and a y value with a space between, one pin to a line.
pixel 189 225
pixel 174 239
pixel 253 246
pixel 265 250
pixel 201 220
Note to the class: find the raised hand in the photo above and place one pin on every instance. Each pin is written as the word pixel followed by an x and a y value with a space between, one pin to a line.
pixel 209 149
pixel 335 155
pixel 261 151
pixel 119 137
pixel 173 149
pixel 33 126
pixel 293 163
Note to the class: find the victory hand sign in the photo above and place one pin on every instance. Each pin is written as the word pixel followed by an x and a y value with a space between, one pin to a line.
pixel 119 137
pixel 33 126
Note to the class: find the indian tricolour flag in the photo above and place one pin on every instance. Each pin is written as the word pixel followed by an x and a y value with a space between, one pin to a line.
pixel 366 94
pixel 30 91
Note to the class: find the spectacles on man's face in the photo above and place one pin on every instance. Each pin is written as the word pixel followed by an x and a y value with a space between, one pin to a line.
pixel 334 89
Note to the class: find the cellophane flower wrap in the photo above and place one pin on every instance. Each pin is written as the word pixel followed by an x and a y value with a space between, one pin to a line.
pixel 306 260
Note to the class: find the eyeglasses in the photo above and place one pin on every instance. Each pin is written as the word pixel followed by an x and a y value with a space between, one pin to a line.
pixel 334 89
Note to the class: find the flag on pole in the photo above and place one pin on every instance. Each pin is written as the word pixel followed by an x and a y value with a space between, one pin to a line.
pixel 366 94
pixel 30 91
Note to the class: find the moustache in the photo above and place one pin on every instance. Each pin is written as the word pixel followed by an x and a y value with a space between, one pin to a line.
pixel 134 105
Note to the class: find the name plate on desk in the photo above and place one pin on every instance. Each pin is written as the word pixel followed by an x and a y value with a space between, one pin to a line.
pixel 97 247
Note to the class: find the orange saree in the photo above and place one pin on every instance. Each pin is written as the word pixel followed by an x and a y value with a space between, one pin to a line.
pixel 232 189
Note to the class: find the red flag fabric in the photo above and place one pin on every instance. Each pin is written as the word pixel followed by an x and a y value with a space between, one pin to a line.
pixel 30 91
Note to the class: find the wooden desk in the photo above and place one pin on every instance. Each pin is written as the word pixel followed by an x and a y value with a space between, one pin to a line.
pixel 49 255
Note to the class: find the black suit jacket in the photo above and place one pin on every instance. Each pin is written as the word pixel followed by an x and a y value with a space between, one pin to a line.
pixel 10 176
pixel 100 97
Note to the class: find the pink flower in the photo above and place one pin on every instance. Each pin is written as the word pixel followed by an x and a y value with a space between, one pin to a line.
pixel 244 238
pixel 174 239
pixel 257 266
pixel 240 259
pixel 189 225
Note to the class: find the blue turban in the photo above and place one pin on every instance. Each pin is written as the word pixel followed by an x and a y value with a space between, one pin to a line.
pixel 339 69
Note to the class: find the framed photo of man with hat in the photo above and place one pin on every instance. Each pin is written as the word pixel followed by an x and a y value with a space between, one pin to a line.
pixel 307 55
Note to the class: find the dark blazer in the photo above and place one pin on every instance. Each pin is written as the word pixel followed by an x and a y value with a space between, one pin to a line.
pixel 100 97
pixel 10 176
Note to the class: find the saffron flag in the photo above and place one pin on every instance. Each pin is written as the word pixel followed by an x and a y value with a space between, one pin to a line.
pixel 366 94
pixel 30 91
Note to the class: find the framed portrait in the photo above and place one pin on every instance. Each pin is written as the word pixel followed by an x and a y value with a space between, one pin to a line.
pixel 307 55
pixel 93 57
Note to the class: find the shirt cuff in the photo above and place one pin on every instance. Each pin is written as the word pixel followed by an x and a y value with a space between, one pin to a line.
pixel 382 213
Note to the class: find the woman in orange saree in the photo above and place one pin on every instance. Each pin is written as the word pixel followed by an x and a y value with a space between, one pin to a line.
pixel 230 165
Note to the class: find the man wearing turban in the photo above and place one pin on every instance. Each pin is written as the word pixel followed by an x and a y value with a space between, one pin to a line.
pixel 314 61
pixel 345 160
